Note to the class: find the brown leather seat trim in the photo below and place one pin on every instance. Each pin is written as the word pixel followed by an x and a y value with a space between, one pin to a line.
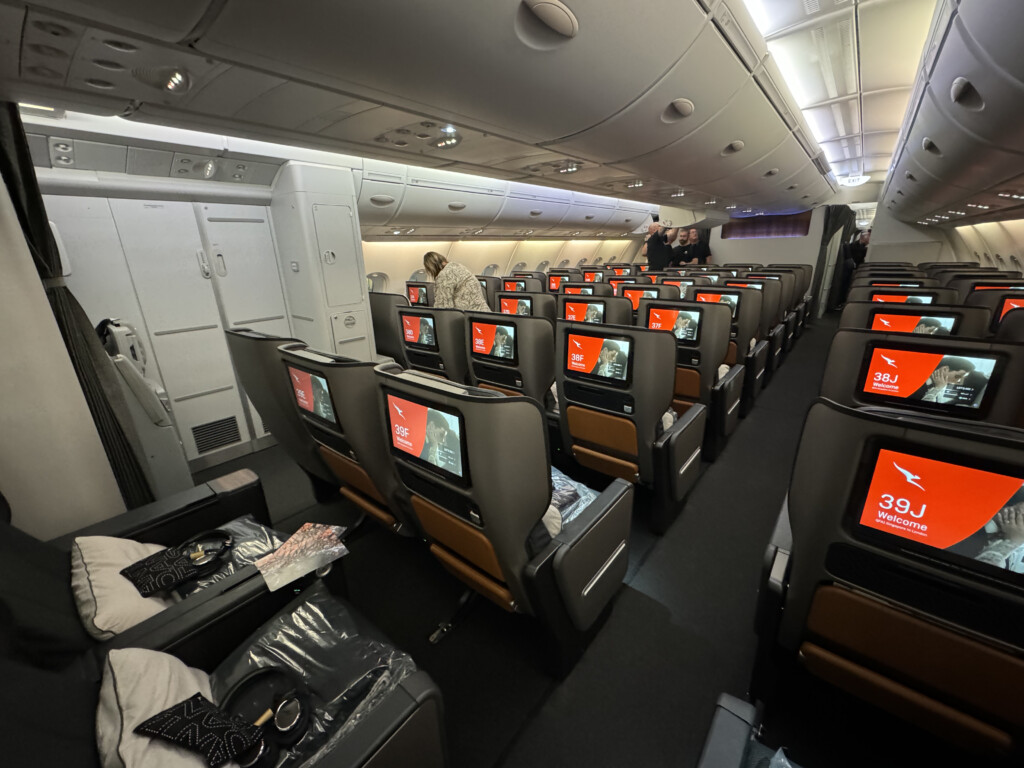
pixel 493 388
pixel 349 472
pixel 605 464
pixel 730 355
pixel 460 537
pixel 932 715
pixel 687 383
pixel 370 508
pixel 470 576
pixel 955 668
pixel 681 406
pixel 602 429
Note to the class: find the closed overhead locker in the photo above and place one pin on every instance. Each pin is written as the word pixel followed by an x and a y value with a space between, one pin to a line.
pixel 675 106
pixel 588 213
pixel 437 201
pixel 530 209
pixel 767 173
pixel 629 217
pixel 173 277
pixel 742 133
pixel 380 194
pixel 504 65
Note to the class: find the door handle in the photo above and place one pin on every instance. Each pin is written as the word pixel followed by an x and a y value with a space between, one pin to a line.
pixel 204 264
pixel 221 265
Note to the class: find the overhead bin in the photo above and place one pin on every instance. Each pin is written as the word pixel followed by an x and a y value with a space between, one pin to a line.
pixel 746 130
pixel 529 207
pixel 381 190
pixel 497 63
pixel 677 105
pixel 587 213
pixel 170 22
pixel 437 198
pixel 628 217
pixel 767 173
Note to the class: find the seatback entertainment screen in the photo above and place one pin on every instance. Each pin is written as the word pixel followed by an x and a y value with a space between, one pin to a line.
pixel 417 294
pixel 578 290
pixel 494 340
pixel 585 311
pixel 960 513
pixel 684 324
pixel 516 306
pixel 593 277
pixel 928 325
pixel 431 436
pixel 312 394
pixel 730 299
pixel 554 281
pixel 602 358
pixel 618 282
pixel 621 270
pixel 1008 304
pixel 932 379
pixel 901 298
pixel 635 294
pixel 515 285
pixel 738 284
pixel 884 284
pixel 680 284
pixel 418 330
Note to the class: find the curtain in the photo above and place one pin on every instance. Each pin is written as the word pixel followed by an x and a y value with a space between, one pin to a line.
pixel 94 369
pixel 837 218
pixel 792 225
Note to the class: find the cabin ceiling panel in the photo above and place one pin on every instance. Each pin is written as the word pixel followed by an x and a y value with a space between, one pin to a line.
pixel 652 122
pixel 892 36
pixel 819 62
pixel 830 121
pixel 169 22
pixel 493 63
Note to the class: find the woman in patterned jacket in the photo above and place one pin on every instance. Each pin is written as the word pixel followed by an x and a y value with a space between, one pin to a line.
pixel 455 287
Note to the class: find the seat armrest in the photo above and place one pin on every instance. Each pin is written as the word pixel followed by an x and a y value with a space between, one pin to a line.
pixel 774 577
pixel 677 451
pixel 593 553
pixel 726 395
pixel 172 520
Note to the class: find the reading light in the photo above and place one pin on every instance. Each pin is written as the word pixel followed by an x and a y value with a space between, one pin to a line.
pixel 569 168
pixel 449 129
pixel 208 169
pixel 634 184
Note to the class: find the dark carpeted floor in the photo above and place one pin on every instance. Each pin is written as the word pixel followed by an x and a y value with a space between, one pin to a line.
pixel 680 633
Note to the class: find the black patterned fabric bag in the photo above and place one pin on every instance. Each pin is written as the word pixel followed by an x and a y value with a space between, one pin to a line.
pixel 165 570
pixel 197 725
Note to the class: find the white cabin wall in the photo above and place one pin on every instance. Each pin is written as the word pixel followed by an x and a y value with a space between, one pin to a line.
pixel 477 255
pixel 995 244
pixel 892 240
pixel 53 469
pixel 770 250
pixel 533 253
pixel 399 259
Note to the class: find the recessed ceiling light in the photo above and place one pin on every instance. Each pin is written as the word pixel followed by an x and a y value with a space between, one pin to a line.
pixel 730 207
pixel 178 81
pixel 449 129
pixel 236 175
pixel 711 202
pixel 396 232
pixel 570 167
pixel 680 193
pixel 575 233
pixel 634 184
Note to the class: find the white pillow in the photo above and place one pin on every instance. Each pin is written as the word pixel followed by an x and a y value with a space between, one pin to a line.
pixel 107 602
pixel 138 684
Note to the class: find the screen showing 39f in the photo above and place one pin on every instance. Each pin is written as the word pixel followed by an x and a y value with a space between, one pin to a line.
pixel 311 393
pixel 969 512
pixel 427 433
pixel 929 377
pixel 608 358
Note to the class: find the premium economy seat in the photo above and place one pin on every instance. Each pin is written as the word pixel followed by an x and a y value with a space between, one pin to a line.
pixel 420 293
pixel 558 276
pixel 387 327
pixel 869 281
pixel 702 338
pixel 490 285
pixel 772 327
pixel 889 574
pixel 535 304
pixel 476 464
pixel 613 310
pixel 944 320
pixel 522 365
pixel 615 384
pixel 585 289
pixel 679 281
pixel 791 300
pixel 949 376
pixel 435 341
pixel 965 287
pixel 659 291
pixel 528 284
pixel 1011 328
pixel 998 303
pixel 258 365
pixel 904 295
pixel 336 400
pixel 536 275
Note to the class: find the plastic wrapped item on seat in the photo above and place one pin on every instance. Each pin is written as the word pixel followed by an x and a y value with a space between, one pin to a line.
pixel 346 668
pixel 251 542
pixel 569 497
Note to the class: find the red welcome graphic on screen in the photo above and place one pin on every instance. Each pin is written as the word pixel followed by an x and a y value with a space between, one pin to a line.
pixel 509 306
pixel 590 277
pixel 662 319
pixel 899 372
pixel 583 353
pixel 302 385
pixel 411 326
pixel 635 294
pixel 483 337
pixel 1009 304
pixel 934 502
pixel 621 270
pixel 408 424
pixel 891 298
pixel 999 288
pixel 895 323
pixel 554 281
pixel 414 294
pixel 513 285
pixel 616 284
pixel 574 289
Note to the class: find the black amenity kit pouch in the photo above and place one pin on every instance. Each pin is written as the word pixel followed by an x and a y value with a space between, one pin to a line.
pixel 174 566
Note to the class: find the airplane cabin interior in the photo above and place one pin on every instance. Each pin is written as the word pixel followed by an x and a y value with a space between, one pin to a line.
pixel 522 383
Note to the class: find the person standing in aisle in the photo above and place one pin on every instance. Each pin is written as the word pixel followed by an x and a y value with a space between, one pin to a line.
pixel 455 287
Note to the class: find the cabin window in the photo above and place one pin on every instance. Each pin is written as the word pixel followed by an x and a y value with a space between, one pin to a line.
pixel 377 282
pixel 491 269
pixel 581 262
pixel 542 267
pixel 520 265
pixel 418 276
pixel 755 227
pixel 563 263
